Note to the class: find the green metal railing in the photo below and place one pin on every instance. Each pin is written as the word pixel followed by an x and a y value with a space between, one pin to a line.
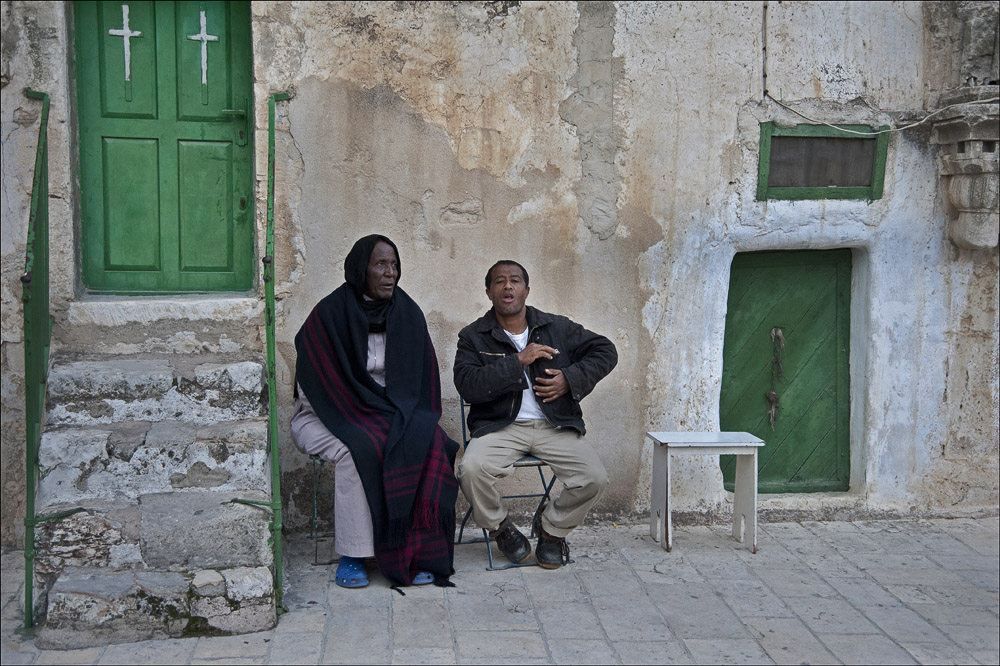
pixel 268 261
pixel 37 335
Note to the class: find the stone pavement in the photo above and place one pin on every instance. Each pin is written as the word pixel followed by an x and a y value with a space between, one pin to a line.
pixel 894 592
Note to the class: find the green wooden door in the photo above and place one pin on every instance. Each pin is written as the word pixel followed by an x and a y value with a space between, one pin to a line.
pixel 163 92
pixel 804 299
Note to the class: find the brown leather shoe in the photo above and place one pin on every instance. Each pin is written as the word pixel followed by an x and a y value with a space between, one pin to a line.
pixel 551 552
pixel 512 543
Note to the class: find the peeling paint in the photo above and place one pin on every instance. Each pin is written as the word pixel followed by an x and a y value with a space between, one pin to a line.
pixel 612 148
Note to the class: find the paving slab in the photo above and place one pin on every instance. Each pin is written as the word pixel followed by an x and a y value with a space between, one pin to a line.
pixel 514 646
pixel 797 583
pixel 413 655
pixel 171 651
pixel 581 651
pixel 817 592
pixel 788 641
pixel 849 649
pixel 973 639
pixel 653 652
pixel 833 616
pixel 419 623
pixel 938 653
pixel 303 647
pixel 902 624
pixel 233 647
pixel 726 651
pixel 697 611
pixel 75 656
pixel 864 592
pixel 749 598
pixel 570 620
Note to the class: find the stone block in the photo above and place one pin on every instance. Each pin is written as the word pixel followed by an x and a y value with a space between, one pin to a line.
pixel 74 448
pixel 93 538
pixel 123 379
pixel 117 391
pixel 167 435
pixel 208 583
pixel 235 436
pixel 82 464
pixel 203 530
pixel 242 377
pixel 210 607
pixel 89 607
pixel 124 556
pixel 236 617
pixel 247 618
pixel 244 583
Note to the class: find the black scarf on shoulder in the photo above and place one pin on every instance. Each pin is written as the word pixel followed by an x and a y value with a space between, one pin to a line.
pixel 405 460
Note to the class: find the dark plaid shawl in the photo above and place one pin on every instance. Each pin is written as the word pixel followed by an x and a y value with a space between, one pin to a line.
pixel 405 460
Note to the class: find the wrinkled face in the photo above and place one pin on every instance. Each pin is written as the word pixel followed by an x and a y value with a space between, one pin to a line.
pixel 507 290
pixel 382 273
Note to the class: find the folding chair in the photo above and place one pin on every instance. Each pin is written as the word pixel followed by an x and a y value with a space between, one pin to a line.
pixel 543 496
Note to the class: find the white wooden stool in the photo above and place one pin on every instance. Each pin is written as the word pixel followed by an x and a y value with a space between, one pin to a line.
pixel 740 444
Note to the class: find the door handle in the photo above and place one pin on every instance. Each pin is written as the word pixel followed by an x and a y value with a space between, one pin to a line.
pixel 239 115
pixel 777 372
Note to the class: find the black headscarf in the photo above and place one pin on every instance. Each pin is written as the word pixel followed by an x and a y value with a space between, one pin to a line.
pixel 405 460
pixel 356 275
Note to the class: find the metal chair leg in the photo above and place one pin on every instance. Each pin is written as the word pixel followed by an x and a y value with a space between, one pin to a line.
pixel 317 473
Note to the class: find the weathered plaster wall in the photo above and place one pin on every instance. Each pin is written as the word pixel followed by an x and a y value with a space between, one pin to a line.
pixel 610 147
pixel 445 128
pixel 33 55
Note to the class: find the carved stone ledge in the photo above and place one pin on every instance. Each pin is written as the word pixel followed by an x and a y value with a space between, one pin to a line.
pixel 969 165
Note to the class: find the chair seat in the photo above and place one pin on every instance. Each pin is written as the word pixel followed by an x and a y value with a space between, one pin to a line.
pixel 529 461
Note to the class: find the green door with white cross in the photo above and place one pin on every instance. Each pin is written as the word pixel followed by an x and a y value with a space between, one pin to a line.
pixel 785 375
pixel 164 102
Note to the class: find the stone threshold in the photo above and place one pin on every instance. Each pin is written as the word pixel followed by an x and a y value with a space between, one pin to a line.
pixel 120 311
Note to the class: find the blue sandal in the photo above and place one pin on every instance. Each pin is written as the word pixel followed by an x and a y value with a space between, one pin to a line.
pixel 423 578
pixel 351 572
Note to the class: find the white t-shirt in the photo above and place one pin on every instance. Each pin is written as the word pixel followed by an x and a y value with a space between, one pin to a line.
pixel 530 411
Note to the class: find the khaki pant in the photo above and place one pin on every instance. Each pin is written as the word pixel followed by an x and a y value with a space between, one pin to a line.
pixel 352 517
pixel 571 458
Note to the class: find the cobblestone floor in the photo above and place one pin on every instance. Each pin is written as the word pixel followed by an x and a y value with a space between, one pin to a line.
pixel 872 592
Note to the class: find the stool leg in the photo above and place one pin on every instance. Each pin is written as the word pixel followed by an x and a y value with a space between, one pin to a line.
pixel 659 506
pixel 745 500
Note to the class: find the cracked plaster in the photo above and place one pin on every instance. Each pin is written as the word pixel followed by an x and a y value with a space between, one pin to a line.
pixel 455 129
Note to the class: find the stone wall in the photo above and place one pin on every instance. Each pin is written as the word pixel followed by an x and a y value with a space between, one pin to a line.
pixel 612 149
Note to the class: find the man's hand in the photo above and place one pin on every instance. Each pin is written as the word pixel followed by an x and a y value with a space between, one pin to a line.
pixel 552 387
pixel 535 351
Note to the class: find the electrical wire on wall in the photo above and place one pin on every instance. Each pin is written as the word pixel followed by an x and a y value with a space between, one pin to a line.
pixel 991 100
pixel 767 95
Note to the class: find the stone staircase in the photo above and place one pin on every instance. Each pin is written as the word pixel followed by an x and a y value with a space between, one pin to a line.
pixel 154 448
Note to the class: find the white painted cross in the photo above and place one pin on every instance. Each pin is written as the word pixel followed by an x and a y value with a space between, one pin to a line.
pixel 204 38
pixel 126 34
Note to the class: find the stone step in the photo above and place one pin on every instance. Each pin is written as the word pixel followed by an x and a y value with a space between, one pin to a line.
pixel 195 325
pixel 90 606
pixel 173 531
pixel 117 391
pixel 122 461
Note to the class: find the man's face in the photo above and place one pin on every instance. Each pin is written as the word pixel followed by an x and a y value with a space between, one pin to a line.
pixel 507 290
pixel 382 273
